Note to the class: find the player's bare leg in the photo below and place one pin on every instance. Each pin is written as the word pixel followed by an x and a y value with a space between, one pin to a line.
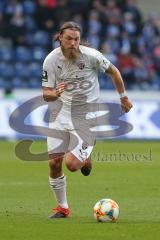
pixel 57 182
pixel 55 164
pixel 73 164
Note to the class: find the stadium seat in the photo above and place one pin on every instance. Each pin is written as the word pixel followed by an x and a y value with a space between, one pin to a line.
pixel 41 38
pixel 29 39
pixel 2 82
pixel 6 54
pixel 34 83
pixel 19 82
pixel 23 54
pixel 6 70
pixel 29 7
pixel 30 24
pixel 35 70
pixel 102 83
pixel 21 70
pixel 5 82
pixel 105 82
pixel 39 54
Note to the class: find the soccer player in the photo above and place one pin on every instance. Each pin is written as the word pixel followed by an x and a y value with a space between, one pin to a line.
pixel 70 78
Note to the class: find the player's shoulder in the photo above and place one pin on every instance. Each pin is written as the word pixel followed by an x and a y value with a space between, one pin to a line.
pixel 89 51
pixel 53 55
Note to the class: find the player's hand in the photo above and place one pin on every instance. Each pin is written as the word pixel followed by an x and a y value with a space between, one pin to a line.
pixel 60 88
pixel 126 104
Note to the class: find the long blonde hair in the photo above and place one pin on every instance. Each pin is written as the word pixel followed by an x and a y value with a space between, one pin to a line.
pixel 73 26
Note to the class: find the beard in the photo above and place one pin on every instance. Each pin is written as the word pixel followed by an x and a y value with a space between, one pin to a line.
pixel 71 54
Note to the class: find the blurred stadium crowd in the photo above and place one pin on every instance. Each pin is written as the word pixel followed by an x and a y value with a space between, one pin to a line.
pixel 116 28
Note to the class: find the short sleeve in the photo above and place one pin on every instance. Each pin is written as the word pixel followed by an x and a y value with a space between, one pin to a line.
pixel 102 63
pixel 48 76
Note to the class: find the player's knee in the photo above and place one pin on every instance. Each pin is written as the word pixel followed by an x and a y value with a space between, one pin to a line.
pixel 72 163
pixel 72 166
pixel 54 165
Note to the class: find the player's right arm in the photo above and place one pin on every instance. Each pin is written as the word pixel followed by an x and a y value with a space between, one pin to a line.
pixel 51 90
pixel 50 94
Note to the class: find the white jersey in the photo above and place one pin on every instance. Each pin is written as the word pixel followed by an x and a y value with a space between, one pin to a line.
pixel 81 76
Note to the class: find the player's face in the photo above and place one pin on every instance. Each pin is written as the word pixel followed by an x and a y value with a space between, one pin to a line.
pixel 70 40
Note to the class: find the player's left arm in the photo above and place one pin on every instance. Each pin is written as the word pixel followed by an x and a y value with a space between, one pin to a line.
pixel 117 80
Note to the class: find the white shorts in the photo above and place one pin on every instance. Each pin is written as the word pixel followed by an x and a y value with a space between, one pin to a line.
pixel 70 138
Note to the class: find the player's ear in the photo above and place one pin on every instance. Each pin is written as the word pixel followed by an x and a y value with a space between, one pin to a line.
pixel 60 37
pixel 57 37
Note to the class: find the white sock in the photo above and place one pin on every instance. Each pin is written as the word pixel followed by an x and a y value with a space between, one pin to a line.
pixel 58 186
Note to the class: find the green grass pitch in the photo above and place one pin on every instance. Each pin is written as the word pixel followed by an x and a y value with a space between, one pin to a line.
pixel 26 199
